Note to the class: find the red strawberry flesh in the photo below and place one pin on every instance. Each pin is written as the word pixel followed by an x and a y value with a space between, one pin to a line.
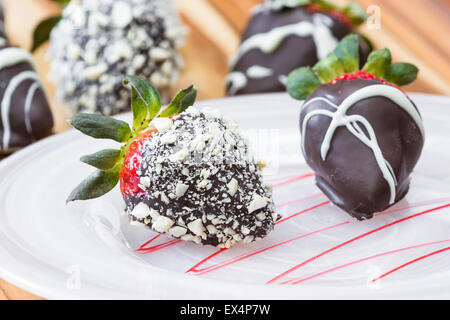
pixel 129 179
pixel 361 75
pixel 128 176
pixel 334 13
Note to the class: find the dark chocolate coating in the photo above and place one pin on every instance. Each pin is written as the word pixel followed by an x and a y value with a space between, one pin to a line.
pixel 2 22
pixel 39 118
pixel 350 175
pixel 202 202
pixel 294 52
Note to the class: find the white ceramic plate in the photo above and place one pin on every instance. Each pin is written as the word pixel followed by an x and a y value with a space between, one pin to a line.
pixel 87 250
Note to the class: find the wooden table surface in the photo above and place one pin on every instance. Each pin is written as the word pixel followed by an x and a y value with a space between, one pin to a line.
pixel 416 31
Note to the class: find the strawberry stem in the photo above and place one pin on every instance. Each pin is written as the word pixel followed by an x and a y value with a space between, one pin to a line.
pixel 145 105
pixel 342 64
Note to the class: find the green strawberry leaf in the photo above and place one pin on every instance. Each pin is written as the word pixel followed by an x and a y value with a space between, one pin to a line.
pixel 140 111
pixel 184 99
pixel 101 127
pixel 302 82
pixel 94 186
pixel 347 53
pixel 42 32
pixel 103 160
pixel 355 13
pixel 325 5
pixel 62 3
pixel 401 73
pixel 329 68
pixel 297 3
pixel 146 105
pixel 145 101
pixel 378 62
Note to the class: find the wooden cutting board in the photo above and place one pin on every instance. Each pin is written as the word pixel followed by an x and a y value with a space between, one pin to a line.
pixel 416 31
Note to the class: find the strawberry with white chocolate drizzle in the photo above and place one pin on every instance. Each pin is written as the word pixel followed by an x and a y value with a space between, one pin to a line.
pixel 361 134
pixel 278 28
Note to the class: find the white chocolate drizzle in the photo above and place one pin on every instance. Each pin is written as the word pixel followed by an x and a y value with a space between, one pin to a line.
pixel 27 106
pixel 6 102
pixel 283 79
pixel 12 56
pixel 238 80
pixel 268 42
pixel 354 122
pixel 257 72
pixel 318 29
pixel 9 57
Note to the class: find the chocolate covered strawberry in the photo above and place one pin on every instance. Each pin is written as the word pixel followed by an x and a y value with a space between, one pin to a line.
pixel 183 172
pixel 361 134
pixel 283 35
